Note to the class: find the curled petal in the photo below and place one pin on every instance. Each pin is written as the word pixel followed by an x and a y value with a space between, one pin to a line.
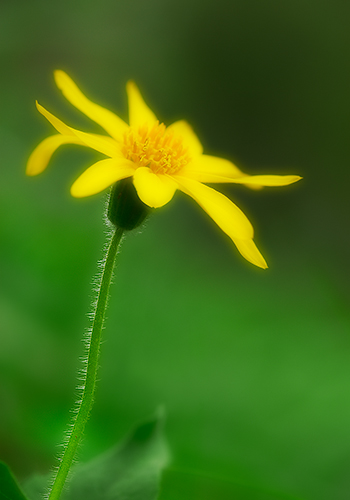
pixel 249 250
pixel 208 168
pixel 58 124
pixel 226 214
pixel 114 125
pixel 100 175
pixel 41 155
pixel 101 143
pixel 212 169
pixel 184 130
pixel 154 190
pixel 139 113
pixel 266 180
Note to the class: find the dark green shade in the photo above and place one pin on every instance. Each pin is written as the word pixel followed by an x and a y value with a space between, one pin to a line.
pixel 9 489
pixel 125 209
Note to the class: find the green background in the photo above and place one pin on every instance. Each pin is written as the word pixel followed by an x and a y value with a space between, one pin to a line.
pixel 252 366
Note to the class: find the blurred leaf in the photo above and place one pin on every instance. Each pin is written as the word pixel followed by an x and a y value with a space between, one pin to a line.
pixel 9 489
pixel 128 471
pixel 177 485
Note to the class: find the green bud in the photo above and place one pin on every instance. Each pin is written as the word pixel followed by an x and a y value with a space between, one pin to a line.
pixel 125 209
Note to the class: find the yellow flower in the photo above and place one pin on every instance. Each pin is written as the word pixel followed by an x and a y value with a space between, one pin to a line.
pixel 159 160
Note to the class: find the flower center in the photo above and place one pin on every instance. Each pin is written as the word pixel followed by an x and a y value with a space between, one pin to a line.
pixel 155 147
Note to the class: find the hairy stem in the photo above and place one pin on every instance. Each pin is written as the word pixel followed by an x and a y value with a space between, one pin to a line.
pixel 91 371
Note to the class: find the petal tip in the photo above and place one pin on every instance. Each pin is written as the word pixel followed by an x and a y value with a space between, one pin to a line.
pixel 251 253
pixel 130 84
pixel 293 178
pixel 59 77
pixel 30 172
pixel 76 192
pixel 40 108
pixel 258 261
pixel 32 167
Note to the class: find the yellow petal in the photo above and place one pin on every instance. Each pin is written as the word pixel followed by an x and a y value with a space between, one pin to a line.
pixel 114 125
pixel 103 144
pixel 139 112
pixel 226 214
pixel 267 180
pixel 61 127
pixel 100 175
pixel 248 249
pixel 154 190
pixel 207 168
pixel 184 130
pixel 41 155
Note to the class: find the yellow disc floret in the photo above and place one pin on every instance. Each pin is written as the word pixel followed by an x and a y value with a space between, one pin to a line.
pixel 155 147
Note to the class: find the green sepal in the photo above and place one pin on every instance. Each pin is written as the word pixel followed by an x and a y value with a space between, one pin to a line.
pixel 9 489
pixel 125 209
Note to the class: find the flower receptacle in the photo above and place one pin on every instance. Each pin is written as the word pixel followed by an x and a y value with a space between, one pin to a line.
pixel 125 209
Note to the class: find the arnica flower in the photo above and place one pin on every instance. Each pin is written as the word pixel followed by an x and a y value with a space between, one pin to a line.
pixel 158 159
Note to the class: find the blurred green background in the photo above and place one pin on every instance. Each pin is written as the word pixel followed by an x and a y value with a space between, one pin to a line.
pixel 252 366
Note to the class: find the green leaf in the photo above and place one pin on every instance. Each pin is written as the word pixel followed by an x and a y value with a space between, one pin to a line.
pixel 130 471
pixel 177 485
pixel 9 489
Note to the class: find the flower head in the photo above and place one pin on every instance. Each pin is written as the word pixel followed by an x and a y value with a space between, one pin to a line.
pixel 158 159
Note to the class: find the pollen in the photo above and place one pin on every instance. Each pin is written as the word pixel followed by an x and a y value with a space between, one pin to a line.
pixel 156 147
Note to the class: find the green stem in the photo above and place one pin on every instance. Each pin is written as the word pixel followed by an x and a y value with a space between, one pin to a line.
pixel 91 370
